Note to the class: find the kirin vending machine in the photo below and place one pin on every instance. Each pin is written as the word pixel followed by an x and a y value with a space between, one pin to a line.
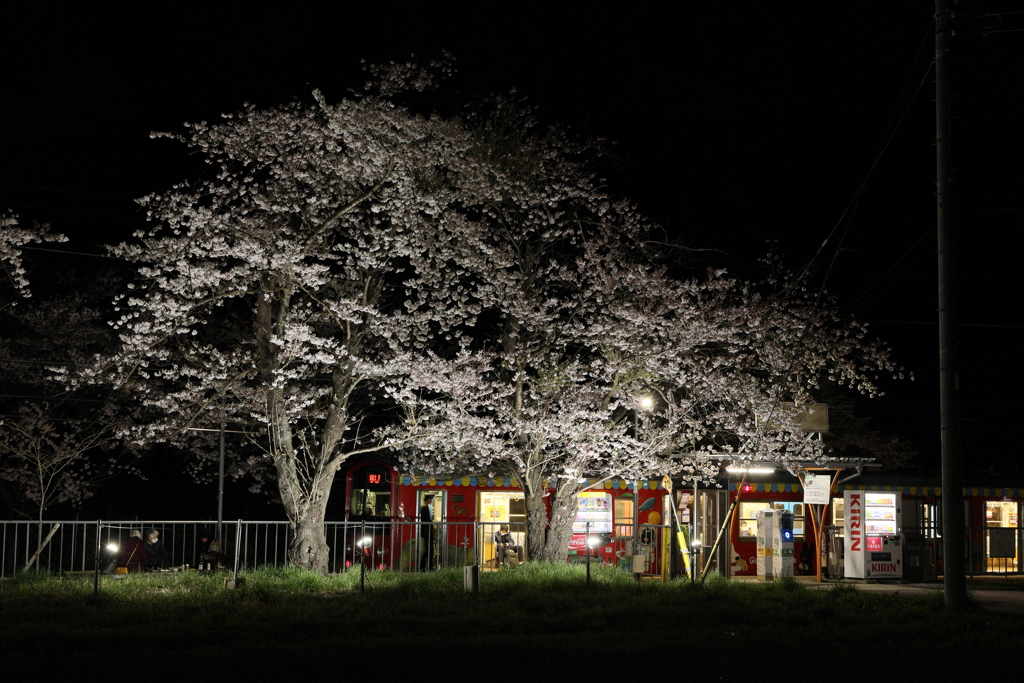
pixel 873 535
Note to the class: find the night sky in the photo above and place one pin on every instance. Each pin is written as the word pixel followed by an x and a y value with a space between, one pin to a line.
pixel 736 123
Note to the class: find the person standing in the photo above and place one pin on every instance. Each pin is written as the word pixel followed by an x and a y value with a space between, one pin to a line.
pixel 427 534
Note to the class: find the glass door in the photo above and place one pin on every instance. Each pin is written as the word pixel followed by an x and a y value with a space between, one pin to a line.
pixel 1002 520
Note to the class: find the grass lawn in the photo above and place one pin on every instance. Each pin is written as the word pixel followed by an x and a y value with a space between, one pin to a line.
pixel 536 618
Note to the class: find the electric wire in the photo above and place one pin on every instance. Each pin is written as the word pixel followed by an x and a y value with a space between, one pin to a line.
pixel 895 263
pixel 887 137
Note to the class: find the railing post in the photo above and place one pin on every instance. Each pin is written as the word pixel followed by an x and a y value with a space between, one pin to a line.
pixel 238 540
pixel 96 575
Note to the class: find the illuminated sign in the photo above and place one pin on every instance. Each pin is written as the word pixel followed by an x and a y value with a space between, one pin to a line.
pixel 374 478
pixel 855 513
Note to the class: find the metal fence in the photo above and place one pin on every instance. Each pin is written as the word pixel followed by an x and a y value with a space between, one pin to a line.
pixel 74 544
pixel 399 546
pixel 987 550
pixel 994 550
pixel 402 546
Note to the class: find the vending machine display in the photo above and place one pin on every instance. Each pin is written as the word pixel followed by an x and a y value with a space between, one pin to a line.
pixel 872 532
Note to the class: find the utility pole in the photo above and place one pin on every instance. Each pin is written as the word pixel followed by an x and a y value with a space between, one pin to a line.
pixel 954 574
pixel 220 479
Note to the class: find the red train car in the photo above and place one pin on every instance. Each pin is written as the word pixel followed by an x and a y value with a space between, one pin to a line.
pixel 410 523
pixel 386 509
pixel 992 518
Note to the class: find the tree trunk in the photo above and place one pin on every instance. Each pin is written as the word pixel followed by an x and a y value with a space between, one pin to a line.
pixel 308 547
pixel 548 538
pixel 563 513
pixel 536 519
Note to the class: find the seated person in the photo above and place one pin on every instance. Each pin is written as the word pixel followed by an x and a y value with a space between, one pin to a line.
pixel 133 553
pixel 210 556
pixel 504 543
pixel 155 552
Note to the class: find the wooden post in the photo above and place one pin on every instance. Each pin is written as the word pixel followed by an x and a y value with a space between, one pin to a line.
pixel 42 545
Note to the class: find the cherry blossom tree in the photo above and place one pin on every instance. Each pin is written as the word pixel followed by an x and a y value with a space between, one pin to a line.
pixel 781 349
pixel 352 277
pixel 545 376
pixel 59 445
pixel 577 325
pixel 313 227
pixel 14 236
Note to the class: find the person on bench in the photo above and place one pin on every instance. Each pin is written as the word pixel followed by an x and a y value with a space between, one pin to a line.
pixel 504 543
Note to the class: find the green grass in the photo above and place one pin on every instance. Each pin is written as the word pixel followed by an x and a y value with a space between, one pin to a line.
pixel 541 615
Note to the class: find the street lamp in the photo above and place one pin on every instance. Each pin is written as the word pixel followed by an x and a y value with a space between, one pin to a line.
pixel 645 403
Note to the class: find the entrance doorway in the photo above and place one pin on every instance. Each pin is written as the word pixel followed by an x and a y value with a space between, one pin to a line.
pixel 430 507
pixel 1002 520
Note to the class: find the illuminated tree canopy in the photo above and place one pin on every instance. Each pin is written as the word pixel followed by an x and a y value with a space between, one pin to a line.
pixel 462 290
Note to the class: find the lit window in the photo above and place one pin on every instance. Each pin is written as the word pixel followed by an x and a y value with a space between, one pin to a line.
pixel 624 517
pixel 371 494
pixel 748 517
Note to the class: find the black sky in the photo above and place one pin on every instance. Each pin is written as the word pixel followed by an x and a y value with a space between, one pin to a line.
pixel 737 123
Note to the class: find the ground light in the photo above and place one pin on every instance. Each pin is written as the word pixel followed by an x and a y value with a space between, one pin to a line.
pixel 694 550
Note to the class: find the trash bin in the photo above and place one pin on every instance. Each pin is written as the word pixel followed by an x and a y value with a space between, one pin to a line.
pixel 914 558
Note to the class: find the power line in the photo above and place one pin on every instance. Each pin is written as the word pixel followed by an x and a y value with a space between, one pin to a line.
pixel 895 263
pixel 75 253
pixel 887 137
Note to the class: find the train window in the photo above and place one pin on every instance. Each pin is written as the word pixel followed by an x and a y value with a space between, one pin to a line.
pixel 838 513
pixel 371 494
pixel 624 517
pixel 517 512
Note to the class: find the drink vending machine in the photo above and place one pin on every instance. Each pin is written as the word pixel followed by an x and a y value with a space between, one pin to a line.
pixel 873 534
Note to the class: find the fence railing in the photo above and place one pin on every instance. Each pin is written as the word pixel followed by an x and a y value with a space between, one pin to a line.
pixel 400 546
pixel 74 545
pixel 987 550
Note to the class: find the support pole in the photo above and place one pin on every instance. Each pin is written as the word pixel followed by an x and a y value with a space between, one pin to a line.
pixel 220 480
pixel 954 576
pixel 725 524
pixel 238 550
pixel 636 526
pixel 586 543
pixel 99 549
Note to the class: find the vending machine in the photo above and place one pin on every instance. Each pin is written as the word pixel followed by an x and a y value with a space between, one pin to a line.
pixel 774 543
pixel 873 534
pixel 782 543
pixel 765 564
